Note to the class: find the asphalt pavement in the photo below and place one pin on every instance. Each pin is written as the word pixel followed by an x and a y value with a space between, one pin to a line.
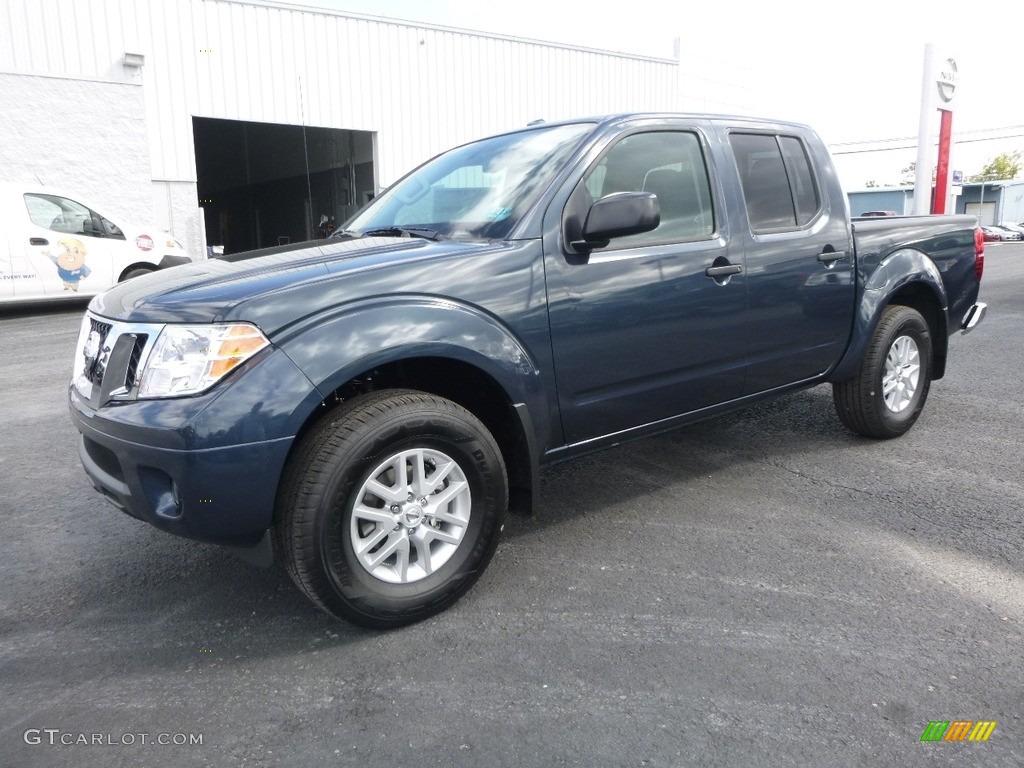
pixel 765 589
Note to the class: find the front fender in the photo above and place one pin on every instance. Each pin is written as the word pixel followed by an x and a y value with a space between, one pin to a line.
pixel 904 270
pixel 331 350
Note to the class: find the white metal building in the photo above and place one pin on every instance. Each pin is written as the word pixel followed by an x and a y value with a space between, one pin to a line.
pixel 266 114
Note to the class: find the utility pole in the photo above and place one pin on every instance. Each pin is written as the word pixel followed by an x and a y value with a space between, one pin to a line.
pixel 981 196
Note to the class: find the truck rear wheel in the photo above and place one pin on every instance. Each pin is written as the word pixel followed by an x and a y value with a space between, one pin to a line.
pixel 391 508
pixel 886 396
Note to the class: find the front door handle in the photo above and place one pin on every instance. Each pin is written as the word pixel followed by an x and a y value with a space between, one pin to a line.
pixel 724 271
pixel 831 257
pixel 38 241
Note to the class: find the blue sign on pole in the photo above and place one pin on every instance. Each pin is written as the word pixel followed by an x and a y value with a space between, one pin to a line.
pixel 958 177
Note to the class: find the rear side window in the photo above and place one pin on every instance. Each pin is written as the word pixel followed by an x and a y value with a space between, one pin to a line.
pixel 777 179
pixel 801 179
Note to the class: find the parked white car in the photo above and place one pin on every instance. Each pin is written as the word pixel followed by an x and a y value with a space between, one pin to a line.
pixel 994 232
pixel 1014 228
pixel 55 245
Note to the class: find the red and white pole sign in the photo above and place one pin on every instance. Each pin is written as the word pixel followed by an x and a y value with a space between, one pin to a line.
pixel 937 89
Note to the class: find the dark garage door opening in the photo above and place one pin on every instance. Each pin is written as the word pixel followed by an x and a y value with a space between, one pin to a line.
pixel 263 184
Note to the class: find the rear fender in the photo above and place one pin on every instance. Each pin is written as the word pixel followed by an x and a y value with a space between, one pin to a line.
pixel 906 276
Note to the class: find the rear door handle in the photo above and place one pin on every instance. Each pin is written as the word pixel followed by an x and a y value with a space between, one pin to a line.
pixel 38 241
pixel 724 271
pixel 831 257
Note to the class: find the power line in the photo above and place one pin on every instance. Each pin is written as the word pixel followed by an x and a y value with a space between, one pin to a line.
pixel 914 145
pixel 910 142
pixel 914 138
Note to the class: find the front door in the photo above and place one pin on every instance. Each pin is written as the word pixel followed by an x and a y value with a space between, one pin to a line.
pixel 640 331
pixel 70 247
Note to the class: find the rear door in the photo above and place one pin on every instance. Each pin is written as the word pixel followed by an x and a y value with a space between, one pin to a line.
pixel 799 258
pixel 640 331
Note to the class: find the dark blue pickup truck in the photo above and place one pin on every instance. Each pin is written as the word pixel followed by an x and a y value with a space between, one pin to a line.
pixel 367 407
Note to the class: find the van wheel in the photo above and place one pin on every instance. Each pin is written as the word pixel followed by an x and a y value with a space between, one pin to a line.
pixel 135 272
pixel 886 396
pixel 390 509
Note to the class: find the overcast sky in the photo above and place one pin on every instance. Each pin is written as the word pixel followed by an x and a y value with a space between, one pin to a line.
pixel 853 72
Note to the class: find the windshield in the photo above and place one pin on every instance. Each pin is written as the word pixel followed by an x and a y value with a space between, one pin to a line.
pixel 477 191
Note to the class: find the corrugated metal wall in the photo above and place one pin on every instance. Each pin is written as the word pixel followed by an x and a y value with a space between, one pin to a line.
pixel 421 89
pixel 71 38
pixel 899 200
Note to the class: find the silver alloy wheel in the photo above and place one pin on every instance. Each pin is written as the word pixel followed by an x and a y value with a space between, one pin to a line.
pixel 410 515
pixel 902 374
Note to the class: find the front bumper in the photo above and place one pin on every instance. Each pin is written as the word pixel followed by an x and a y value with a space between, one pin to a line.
pixel 220 495
pixel 206 467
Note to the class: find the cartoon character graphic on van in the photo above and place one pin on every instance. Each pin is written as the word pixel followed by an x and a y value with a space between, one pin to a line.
pixel 71 267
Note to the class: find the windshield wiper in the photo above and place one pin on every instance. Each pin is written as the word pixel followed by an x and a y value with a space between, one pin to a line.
pixel 342 234
pixel 427 234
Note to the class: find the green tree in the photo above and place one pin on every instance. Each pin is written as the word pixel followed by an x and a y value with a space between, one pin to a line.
pixel 910 174
pixel 1004 166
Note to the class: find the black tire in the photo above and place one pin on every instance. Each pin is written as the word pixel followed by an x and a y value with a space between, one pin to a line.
pixel 136 272
pixel 863 403
pixel 353 456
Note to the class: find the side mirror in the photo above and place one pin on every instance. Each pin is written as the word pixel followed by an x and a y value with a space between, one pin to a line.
pixel 617 215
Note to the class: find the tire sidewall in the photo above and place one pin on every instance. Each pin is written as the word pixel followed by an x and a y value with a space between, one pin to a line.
pixel 350 584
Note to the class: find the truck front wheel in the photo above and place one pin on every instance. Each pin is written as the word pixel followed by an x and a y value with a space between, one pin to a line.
pixel 886 396
pixel 390 509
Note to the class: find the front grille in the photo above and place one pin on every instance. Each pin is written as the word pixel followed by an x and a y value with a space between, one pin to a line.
pixel 96 351
pixel 110 358
pixel 131 379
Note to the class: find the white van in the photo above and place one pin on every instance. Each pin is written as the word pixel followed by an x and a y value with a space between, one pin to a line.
pixel 55 245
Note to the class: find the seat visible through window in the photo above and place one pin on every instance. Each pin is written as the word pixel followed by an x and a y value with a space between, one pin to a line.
pixel 669 164
pixel 667 185
pixel 766 188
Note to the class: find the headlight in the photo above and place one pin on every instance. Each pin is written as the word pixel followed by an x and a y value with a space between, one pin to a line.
pixel 187 359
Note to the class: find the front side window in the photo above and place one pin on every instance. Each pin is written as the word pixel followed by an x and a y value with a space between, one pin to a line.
pixel 61 214
pixel 669 164
pixel 777 180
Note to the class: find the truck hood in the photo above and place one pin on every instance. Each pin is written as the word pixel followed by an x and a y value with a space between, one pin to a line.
pixel 215 290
